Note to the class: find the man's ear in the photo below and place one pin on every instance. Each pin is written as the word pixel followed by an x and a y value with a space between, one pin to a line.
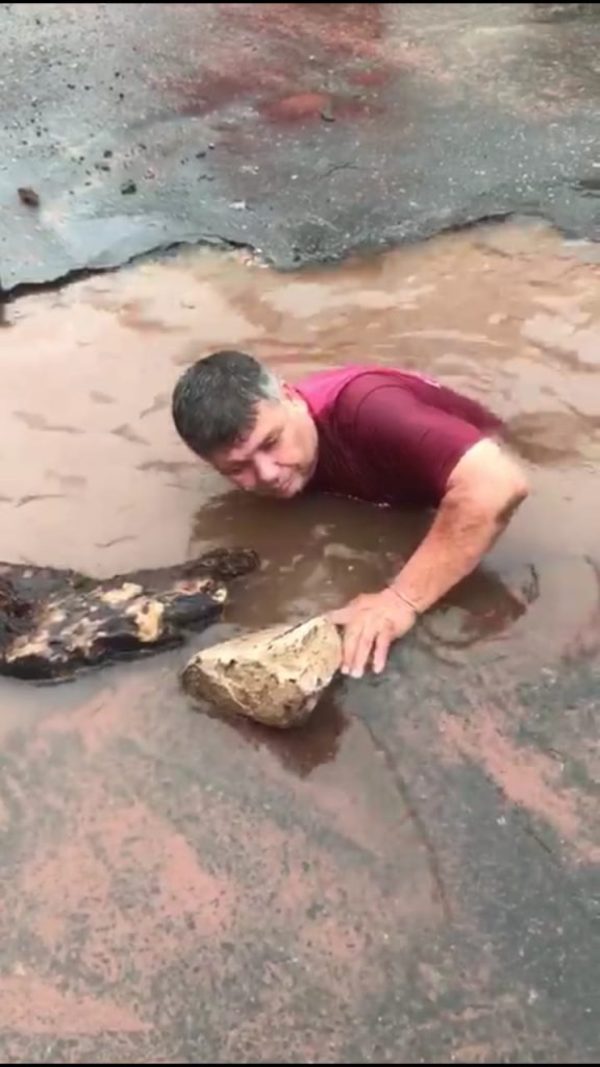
pixel 288 391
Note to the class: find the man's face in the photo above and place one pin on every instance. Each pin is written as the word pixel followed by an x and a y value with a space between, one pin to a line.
pixel 279 456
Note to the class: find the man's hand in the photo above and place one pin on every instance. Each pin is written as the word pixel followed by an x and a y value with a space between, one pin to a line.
pixel 370 623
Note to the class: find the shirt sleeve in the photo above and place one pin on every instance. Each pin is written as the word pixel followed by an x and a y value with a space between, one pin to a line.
pixel 400 432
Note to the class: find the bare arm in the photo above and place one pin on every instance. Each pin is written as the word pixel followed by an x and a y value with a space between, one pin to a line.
pixel 484 490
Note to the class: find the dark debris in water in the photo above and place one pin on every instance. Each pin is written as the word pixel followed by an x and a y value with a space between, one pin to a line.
pixel 55 622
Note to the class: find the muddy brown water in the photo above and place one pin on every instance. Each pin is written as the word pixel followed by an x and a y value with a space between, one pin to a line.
pixel 92 474
pixel 509 314
pixel 408 840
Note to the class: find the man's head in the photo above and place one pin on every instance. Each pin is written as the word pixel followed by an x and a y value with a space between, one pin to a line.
pixel 237 415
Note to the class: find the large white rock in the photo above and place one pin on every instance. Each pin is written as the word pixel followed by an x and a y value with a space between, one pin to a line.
pixel 275 676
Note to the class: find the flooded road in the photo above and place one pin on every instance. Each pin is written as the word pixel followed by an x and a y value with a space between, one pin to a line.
pixel 375 881
pixel 509 315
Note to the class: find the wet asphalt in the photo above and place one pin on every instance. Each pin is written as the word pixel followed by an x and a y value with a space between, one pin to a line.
pixel 302 131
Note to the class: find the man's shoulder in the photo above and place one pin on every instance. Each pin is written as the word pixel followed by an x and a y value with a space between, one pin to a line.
pixel 341 389
pixel 364 391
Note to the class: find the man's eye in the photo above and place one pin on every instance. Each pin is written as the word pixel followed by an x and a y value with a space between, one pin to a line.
pixel 272 441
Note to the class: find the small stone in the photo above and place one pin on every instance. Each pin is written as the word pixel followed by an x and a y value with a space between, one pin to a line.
pixel 28 196
pixel 128 187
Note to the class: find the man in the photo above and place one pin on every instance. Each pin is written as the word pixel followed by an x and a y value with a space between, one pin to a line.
pixel 375 433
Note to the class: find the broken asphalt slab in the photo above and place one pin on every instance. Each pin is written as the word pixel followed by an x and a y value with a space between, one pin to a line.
pixel 302 131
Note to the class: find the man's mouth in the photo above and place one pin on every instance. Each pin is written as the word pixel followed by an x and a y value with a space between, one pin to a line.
pixel 283 487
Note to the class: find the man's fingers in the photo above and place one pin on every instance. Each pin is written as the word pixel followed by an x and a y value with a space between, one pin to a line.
pixel 382 647
pixel 351 638
pixel 367 633
pixel 363 648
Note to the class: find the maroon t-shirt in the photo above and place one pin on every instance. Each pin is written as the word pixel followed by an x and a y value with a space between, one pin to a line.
pixel 389 436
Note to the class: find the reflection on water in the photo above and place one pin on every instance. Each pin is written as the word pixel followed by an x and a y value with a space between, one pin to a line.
pixel 299 751
pixel 345 552
pixel 509 314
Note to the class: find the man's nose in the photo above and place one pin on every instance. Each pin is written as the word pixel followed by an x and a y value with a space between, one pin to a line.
pixel 267 471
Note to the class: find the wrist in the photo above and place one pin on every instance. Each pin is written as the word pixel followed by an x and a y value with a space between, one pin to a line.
pixel 405 599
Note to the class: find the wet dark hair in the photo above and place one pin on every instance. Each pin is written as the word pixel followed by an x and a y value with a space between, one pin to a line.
pixel 214 401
